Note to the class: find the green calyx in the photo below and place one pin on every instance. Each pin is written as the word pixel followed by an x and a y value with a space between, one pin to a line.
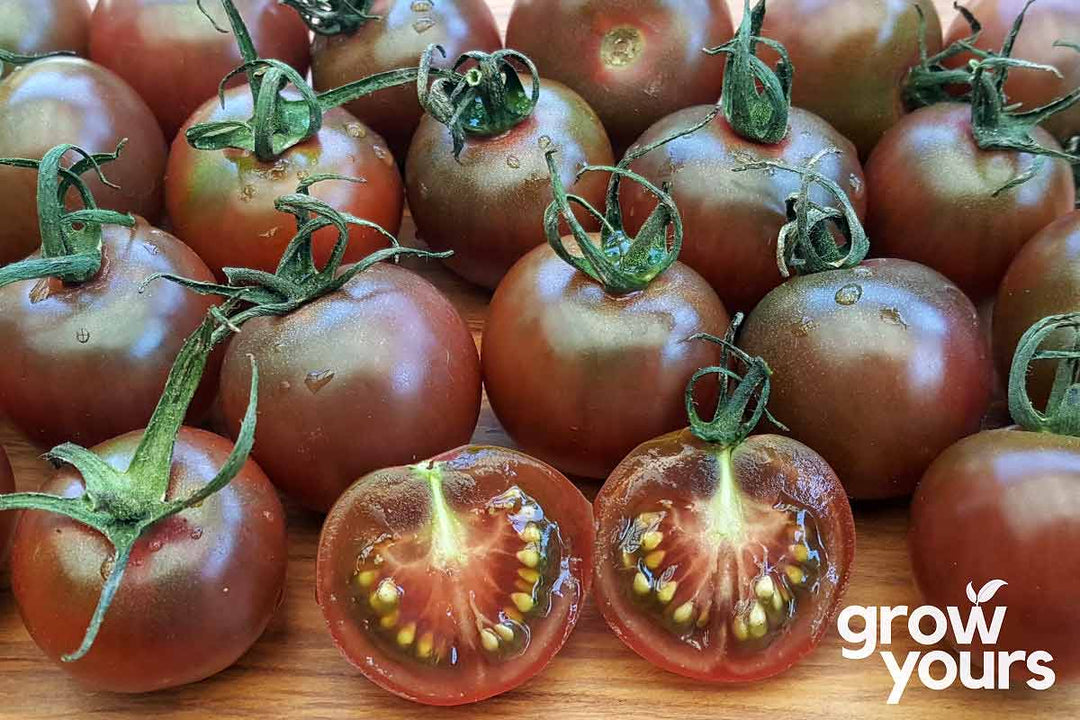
pixel 930 81
pixel 808 242
pixel 1062 413
pixel 123 504
pixel 743 398
pixel 333 17
pixel 70 241
pixel 758 115
pixel 8 58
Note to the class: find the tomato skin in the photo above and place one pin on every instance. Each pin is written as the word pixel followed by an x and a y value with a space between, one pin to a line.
pixel 30 27
pixel 769 468
pixel 1046 22
pixel 175 58
pixel 489 206
pixel 881 385
pixel 7 519
pixel 382 372
pixel 69 100
pixel 851 58
pixel 633 62
pixel 732 220
pixel 1002 505
pixel 87 362
pixel 200 589
pixel 221 202
pixel 931 198
pixel 391 501
pixel 562 358
pixel 396 40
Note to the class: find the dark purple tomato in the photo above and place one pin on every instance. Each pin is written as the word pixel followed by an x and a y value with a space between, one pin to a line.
pixel 200 589
pixel 221 202
pixel 579 377
pixel 397 39
pixel 851 58
pixel 174 57
pixel 732 220
pixel 86 362
pixel 488 206
pixel 879 368
pixel 67 100
pixel 1004 505
pixel 7 519
pixel 380 373
pixel 932 198
pixel 31 27
pixel 633 63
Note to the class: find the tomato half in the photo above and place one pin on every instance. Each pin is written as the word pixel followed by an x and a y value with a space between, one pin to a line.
pixel 456 579
pixel 397 38
pixel 31 27
pixel 86 362
pixel 174 57
pixel 68 100
pixel 7 519
pixel 221 202
pixel 200 589
pixel 879 368
pixel 722 565
pixel 379 373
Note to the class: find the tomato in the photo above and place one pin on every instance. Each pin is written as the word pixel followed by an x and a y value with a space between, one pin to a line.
pixel 562 357
pixel 1046 22
pixel 458 578
pixel 851 58
pixel 68 100
pixel 397 38
pixel 199 590
pixel 733 219
pixel 58 336
pixel 720 564
pixel 381 372
pixel 879 368
pixel 488 207
pixel 7 521
pixel 221 202
pixel 932 197
pixel 175 58
pixel 32 27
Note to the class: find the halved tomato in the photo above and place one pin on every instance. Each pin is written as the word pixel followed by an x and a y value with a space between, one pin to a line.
pixel 458 578
pixel 722 564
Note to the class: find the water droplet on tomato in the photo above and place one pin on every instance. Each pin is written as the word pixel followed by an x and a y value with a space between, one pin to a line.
pixel 513 161
pixel 422 25
pixel 421 6
pixel 803 328
pixel 849 294
pixel 356 130
pixel 316 381
pixel 383 154
pixel 855 183
pixel 155 546
pixel 545 142
pixel 82 335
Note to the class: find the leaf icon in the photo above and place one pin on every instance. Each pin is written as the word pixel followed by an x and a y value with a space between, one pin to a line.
pixel 989 590
pixel 971 594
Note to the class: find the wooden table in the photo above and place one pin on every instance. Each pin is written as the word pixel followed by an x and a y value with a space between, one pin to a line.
pixel 294 670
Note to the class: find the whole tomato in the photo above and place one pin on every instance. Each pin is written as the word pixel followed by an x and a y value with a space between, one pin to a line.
pixel 458 578
pixel 68 100
pixel 7 521
pixel 633 63
pixel 32 27
pixel 851 58
pixel 221 202
pixel 396 37
pixel 939 199
pixel 171 54
pixel 199 590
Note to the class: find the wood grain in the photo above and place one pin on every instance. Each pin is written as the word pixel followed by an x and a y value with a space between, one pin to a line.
pixel 294 670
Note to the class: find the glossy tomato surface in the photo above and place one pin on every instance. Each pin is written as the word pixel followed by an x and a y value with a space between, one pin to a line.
pixel 397 39
pixel 879 368
pixel 633 62
pixel 7 519
pixel 456 579
pixel 86 362
pixel 199 591
pixel 851 58
pixel 380 373
pixel 1046 22
pixel 175 57
pixel 932 198
pixel 722 565
pixel 1043 280
pixel 488 207
pixel 733 219
pixel 1004 505
pixel 30 27
pixel 68 100
pixel 579 377
pixel 221 202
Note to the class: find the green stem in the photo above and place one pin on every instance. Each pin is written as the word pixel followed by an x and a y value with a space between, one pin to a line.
pixel 1062 413
pixel 333 17
pixel 15 59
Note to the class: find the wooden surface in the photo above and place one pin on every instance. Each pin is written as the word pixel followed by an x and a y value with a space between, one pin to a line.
pixel 294 670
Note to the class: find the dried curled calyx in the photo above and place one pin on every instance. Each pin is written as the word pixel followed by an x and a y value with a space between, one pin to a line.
pixel 1062 413
pixel 333 17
